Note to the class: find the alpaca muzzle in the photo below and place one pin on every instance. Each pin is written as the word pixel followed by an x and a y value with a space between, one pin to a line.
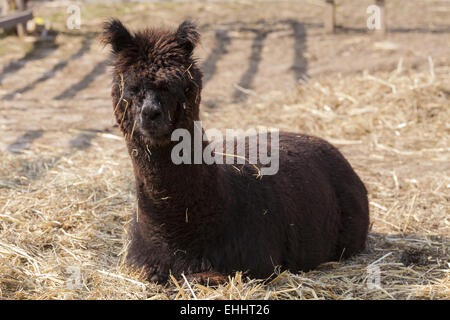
pixel 151 115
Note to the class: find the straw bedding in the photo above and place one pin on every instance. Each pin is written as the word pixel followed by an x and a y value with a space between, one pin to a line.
pixel 63 215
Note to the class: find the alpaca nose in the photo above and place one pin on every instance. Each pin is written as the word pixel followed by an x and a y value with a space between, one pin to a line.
pixel 151 112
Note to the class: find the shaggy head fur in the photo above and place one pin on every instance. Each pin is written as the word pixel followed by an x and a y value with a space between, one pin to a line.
pixel 155 79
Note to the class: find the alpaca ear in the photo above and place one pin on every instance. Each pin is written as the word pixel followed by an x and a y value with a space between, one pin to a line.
pixel 115 34
pixel 187 35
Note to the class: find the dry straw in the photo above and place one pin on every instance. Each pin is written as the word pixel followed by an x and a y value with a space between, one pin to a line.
pixel 63 215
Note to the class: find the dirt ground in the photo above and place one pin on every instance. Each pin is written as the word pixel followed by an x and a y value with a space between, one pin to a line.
pixel 265 48
pixel 264 63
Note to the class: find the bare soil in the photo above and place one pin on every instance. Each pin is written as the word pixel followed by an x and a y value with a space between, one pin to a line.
pixel 248 50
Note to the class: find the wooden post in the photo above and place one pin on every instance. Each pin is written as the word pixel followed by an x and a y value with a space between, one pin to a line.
pixel 330 16
pixel 383 26
pixel 21 27
pixel 4 6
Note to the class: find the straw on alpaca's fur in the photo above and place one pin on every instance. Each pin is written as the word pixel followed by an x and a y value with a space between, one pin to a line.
pixel 313 210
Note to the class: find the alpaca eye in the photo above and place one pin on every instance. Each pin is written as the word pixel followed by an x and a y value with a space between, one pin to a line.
pixel 134 90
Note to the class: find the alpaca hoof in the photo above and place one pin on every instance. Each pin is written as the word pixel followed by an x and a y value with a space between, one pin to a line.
pixel 154 278
pixel 208 278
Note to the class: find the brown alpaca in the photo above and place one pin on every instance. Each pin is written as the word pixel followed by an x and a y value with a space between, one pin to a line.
pixel 205 219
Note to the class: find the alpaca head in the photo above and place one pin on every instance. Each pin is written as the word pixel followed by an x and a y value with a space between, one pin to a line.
pixel 156 83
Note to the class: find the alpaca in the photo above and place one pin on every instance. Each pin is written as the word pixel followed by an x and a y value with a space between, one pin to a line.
pixel 211 219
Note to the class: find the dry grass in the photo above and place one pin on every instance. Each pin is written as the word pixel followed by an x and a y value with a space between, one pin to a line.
pixel 66 211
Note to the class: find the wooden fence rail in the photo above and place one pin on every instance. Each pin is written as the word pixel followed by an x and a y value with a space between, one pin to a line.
pixel 16 18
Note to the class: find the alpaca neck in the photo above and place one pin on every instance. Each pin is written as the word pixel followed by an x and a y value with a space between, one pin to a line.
pixel 159 179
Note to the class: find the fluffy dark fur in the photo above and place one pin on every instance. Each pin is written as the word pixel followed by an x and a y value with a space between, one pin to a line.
pixel 213 218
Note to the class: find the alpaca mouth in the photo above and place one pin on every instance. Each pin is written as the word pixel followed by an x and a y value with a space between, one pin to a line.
pixel 156 135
